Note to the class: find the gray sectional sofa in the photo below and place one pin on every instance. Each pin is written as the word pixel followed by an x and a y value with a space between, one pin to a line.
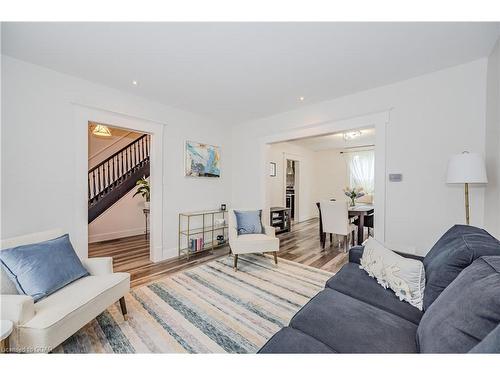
pixel 354 314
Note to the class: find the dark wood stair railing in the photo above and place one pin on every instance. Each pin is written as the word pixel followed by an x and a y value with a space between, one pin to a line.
pixel 114 177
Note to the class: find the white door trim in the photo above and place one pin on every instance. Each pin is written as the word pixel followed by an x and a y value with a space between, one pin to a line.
pixel 82 116
pixel 378 120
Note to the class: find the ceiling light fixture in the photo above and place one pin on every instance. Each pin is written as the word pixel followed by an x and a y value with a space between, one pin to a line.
pixel 134 83
pixel 301 98
pixel 101 131
pixel 349 136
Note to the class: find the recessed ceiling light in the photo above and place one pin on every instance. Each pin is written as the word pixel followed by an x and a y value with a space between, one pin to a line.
pixel 301 98
pixel 134 83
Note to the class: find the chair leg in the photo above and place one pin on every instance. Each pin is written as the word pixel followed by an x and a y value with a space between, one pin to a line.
pixel 275 257
pixel 235 262
pixel 123 307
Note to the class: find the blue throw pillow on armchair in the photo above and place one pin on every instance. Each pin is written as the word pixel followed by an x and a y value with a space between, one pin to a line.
pixel 41 269
pixel 248 222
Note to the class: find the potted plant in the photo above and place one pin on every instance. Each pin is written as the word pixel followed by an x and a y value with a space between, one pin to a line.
pixel 144 190
pixel 353 194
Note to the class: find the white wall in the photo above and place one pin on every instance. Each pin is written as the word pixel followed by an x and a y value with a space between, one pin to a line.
pixel 432 117
pixel 278 153
pixel 39 143
pixel 492 197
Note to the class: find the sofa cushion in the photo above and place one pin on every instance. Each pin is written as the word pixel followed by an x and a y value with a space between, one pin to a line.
pixel 465 312
pixel 42 268
pixel 62 303
pixel 454 251
pixel 356 283
pixel 490 344
pixel 291 341
pixel 348 325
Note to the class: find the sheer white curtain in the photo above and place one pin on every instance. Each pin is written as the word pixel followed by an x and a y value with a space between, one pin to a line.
pixel 361 169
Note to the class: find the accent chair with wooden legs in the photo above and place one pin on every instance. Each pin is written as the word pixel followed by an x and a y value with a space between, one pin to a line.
pixel 265 242
pixel 41 326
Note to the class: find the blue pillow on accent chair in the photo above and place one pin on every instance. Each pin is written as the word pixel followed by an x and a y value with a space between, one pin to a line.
pixel 40 269
pixel 454 251
pixel 248 222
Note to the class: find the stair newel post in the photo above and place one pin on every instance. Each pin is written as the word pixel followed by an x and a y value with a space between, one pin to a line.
pixel 88 186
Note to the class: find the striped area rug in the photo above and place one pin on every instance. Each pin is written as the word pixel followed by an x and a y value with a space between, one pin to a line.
pixel 206 309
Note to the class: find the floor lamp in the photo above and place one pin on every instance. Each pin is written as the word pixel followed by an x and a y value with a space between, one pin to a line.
pixel 466 168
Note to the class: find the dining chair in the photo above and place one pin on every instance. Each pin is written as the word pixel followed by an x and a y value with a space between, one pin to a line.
pixel 335 220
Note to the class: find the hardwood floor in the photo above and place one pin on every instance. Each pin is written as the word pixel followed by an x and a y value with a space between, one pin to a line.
pixel 131 254
pixel 302 245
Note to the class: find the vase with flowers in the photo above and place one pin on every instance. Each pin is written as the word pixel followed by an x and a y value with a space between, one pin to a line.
pixel 353 194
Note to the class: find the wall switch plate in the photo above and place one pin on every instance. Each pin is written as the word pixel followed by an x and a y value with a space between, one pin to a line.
pixel 395 177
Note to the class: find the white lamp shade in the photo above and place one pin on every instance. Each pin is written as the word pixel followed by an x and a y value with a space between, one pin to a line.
pixel 466 168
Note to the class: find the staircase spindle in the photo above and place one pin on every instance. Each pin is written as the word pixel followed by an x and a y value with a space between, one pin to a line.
pixel 109 177
pixel 93 183
pixel 142 150
pixel 114 167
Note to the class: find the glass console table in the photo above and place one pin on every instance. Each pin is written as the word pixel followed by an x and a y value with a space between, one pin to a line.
pixel 208 229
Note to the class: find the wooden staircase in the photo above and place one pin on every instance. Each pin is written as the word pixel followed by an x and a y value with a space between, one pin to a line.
pixel 111 179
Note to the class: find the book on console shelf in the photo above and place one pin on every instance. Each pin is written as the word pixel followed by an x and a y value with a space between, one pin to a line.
pixel 196 244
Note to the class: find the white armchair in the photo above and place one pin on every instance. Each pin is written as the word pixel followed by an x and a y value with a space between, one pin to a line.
pixel 41 326
pixel 251 243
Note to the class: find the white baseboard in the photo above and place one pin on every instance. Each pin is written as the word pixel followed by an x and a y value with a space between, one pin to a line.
pixel 114 235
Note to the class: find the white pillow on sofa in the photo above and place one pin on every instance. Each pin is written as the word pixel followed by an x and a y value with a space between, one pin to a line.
pixel 405 276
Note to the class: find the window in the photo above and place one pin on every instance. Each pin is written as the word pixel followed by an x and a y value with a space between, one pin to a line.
pixel 361 170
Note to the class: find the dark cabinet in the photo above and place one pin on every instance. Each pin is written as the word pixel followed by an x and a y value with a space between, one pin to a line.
pixel 280 219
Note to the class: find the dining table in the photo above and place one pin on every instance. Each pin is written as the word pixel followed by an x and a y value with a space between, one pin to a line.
pixel 359 210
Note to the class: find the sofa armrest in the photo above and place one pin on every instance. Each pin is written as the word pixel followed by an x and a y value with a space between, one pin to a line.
pixel 410 256
pixel 269 230
pixel 355 254
pixel 98 266
pixel 17 308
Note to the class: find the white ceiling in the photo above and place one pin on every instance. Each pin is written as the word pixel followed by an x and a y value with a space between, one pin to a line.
pixel 337 141
pixel 234 72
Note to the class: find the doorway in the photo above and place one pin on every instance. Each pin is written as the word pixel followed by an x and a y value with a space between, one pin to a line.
pixel 292 188
pixel 377 121
pixel 119 195
pixel 83 115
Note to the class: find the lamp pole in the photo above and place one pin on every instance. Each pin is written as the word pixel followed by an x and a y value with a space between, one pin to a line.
pixel 467 203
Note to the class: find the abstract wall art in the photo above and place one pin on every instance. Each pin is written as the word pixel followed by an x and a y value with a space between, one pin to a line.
pixel 202 160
